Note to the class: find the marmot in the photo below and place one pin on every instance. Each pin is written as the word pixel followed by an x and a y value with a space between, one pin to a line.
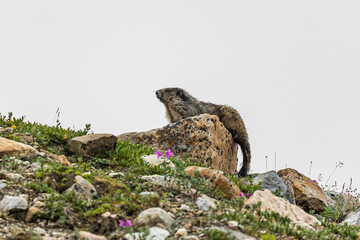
pixel 179 105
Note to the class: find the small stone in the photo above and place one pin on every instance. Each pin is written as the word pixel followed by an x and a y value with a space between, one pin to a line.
pixel 190 237
pixel 9 203
pixel 2 184
pixel 38 204
pixel 181 232
pixel 149 194
pixel 160 226
pixel 35 166
pixel 39 231
pixel 233 224
pixel 152 216
pixel 26 196
pixel 153 160
pixel 90 236
pixel 211 202
pixel 112 175
pixel 202 204
pixel 156 233
pixel 15 176
pixel 31 212
pixel 106 214
pixel 184 207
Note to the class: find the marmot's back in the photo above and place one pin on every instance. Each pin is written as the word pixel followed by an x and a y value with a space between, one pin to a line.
pixel 179 105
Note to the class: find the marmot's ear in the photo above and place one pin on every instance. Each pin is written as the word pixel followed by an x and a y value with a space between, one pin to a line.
pixel 179 92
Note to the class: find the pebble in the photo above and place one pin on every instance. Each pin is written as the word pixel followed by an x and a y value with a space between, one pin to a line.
pixel 35 166
pixel 156 233
pixel 116 174
pixel 149 193
pixel 2 184
pixel 233 224
pixel 202 204
pixel 184 207
pixel 9 203
pixel 181 232
pixel 190 237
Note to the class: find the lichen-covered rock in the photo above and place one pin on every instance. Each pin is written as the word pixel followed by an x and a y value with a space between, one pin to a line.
pixel 91 145
pixel 10 147
pixel 155 233
pixel 83 187
pixel 204 138
pixel 308 193
pixel 276 204
pixel 218 179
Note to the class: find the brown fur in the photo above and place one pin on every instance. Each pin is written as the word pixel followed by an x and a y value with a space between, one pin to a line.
pixel 179 105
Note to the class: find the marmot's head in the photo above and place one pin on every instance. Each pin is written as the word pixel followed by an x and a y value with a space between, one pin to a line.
pixel 172 95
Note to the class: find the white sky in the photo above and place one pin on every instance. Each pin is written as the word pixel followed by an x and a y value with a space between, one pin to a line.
pixel 291 68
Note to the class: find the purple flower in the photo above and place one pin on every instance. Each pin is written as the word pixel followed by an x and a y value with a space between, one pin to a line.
pixel 314 180
pixel 121 223
pixel 168 153
pixel 229 225
pixel 128 223
pixel 158 154
pixel 248 195
pixel 240 195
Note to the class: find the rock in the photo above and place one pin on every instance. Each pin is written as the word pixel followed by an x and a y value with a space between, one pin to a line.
pixel 204 138
pixel 190 237
pixel 31 212
pixel 184 207
pixel 211 202
pixel 38 204
pixel 91 145
pixel 35 166
pixel 39 231
pixel 341 202
pixel 289 195
pixel 233 234
pixel 9 203
pixel 15 176
pixel 2 184
pixel 161 181
pixel 153 160
pixel 156 233
pixel 218 179
pixel 271 202
pixel 10 147
pixel 83 187
pixel 308 194
pixel 271 181
pixel 90 236
pixel 112 174
pixel 152 216
pixel 233 224
pixel 181 232
pixel 155 194
pixel 352 218
pixel 63 160
pixel 202 204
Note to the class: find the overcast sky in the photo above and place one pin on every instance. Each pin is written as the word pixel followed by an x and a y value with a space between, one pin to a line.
pixel 291 69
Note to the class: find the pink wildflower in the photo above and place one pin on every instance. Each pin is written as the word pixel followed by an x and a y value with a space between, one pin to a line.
pixel 168 153
pixel 121 223
pixel 158 154
pixel 128 223
pixel 248 195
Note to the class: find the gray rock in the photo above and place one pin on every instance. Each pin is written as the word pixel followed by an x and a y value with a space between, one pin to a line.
pixel 190 237
pixel 162 181
pixel 115 174
pixel 2 185
pixel 152 216
pixel 83 187
pixel 156 233
pixel 91 145
pixel 202 204
pixel 236 234
pixel 353 218
pixel 271 181
pixel 10 203
pixel 149 194
pixel 35 166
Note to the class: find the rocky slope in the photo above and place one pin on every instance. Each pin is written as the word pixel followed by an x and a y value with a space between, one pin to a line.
pixel 59 183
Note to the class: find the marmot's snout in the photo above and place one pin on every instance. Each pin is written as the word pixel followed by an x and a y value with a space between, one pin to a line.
pixel 159 94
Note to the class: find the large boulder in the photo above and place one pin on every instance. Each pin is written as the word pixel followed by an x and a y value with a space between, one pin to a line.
pixel 91 145
pixel 10 147
pixel 308 193
pixel 204 138
pixel 270 202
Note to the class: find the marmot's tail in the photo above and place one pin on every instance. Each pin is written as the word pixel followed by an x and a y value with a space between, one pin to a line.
pixel 245 149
